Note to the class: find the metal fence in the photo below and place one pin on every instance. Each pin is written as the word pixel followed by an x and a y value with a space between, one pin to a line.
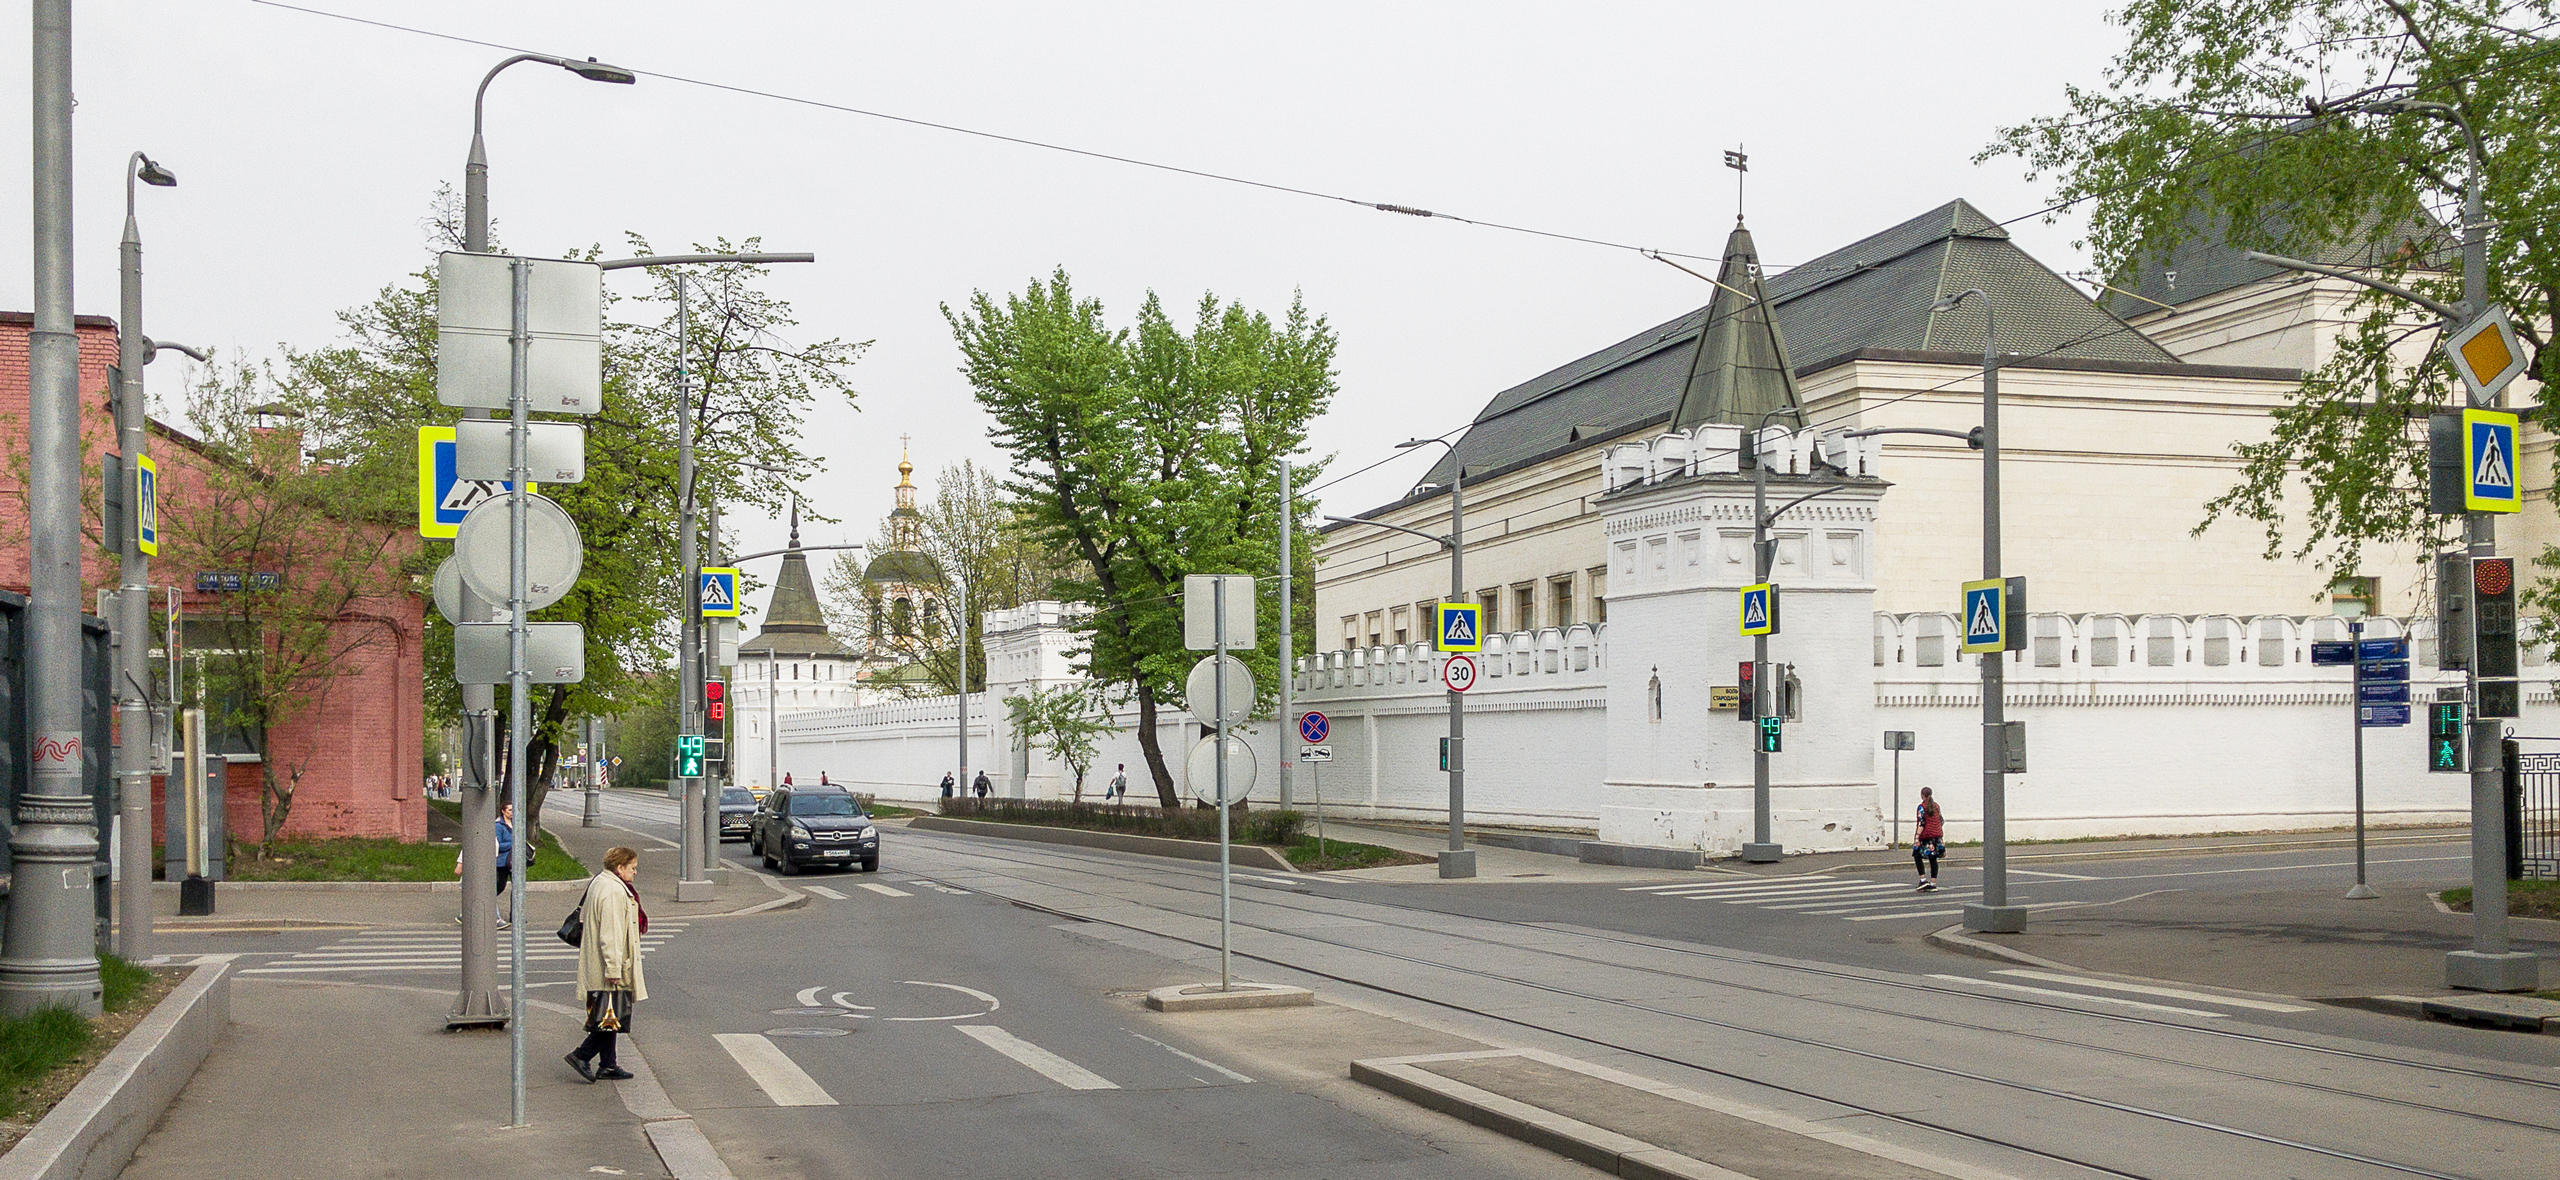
pixel 2533 814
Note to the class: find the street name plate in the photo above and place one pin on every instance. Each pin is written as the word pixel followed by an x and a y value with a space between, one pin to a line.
pixel 1724 698
pixel 2381 716
pixel 2328 654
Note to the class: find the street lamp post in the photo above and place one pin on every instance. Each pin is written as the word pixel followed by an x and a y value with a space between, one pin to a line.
pixel 1993 913
pixel 476 1005
pixel 2492 963
pixel 693 882
pixel 1457 860
pixel 1763 848
pixel 52 956
pixel 133 595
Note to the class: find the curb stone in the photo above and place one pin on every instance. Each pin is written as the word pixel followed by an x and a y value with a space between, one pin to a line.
pixel 92 1133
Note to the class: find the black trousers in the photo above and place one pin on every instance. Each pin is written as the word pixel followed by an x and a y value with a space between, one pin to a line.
pixel 1920 858
pixel 598 1047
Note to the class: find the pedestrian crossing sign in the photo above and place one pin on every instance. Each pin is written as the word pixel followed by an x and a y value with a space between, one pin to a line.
pixel 719 593
pixel 1461 627
pixel 2491 459
pixel 1986 615
pixel 443 498
pixel 1760 609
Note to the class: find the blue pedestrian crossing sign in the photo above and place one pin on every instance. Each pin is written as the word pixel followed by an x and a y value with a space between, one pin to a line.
pixel 2491 456
pixel 442 499
pixel 1760 609
pixel 719 593
pixel 1986 615
pixel 146 501
pixel 1461 627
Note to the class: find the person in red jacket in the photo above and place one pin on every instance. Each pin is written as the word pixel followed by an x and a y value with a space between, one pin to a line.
pixel 1929 842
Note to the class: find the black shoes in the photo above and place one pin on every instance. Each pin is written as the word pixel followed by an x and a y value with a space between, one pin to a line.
pixel 613 1073
pixel 584 1070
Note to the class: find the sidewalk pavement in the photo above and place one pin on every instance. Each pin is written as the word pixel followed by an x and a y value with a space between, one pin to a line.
pixel 1493 863
pixel 285 905
pixel 324 1080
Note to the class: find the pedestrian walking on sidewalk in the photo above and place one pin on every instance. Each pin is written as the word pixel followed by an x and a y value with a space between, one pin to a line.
pixel 982 786
pixel 609 964
pixel 1929 842
pixel 506 861
pixel 948 784
pixel 1119 788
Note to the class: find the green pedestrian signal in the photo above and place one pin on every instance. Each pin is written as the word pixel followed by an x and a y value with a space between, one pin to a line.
pixel 689 755
pixel 2444 738
pixel 1772 737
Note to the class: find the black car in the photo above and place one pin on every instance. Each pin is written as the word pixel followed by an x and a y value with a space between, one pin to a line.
pixel 798 827
pixel 737 812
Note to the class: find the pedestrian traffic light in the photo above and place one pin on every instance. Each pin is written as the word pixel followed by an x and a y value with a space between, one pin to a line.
pixel 2493 630
pixel 1772 739
pixel 715 701
pixel 2444 738
pixel 1748 703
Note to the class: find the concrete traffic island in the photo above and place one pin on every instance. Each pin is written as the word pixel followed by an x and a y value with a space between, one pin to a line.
pixel 1208 997
pixel 2526 1013
pixel 95 1129
pixel 1627 1125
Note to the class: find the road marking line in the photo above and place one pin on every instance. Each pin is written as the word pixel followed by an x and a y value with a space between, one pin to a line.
pixel 1913 914
pixel 1834 894
pixel 1730 888
pixel 823 891
pixel 781 1080
pixel 1045 1063
pixel 1677 885
pixel 2050 991
pixel 1720 892
pixel 1939 897
pixel 808 997
pixel 2061 876
pixel 882 890
pixel 2166 992
pixel 1202 1062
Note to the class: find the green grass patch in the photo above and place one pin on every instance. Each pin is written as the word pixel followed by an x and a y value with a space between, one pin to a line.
pixel 885 811
pixel 1302 851
pixel 2525 899
pixel 34 1045
pixel 1275 825
pixel 363 858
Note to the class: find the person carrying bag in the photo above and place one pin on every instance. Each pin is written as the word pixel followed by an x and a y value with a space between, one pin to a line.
pixel 607 934
pixel 1929 842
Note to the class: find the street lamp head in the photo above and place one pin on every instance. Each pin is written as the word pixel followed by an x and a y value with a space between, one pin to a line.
pixel 596 71
pixel 151 173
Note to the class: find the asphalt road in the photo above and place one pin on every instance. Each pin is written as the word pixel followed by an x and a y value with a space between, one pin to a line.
pixel 974 1010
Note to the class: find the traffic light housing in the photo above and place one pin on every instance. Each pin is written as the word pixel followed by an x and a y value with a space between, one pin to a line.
pixel 2445 752
pixel 2493 631
pixel 715 701
pixel 1772 733
pixel 1748 704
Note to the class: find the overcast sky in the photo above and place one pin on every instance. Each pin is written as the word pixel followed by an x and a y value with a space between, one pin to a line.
pixel 308 150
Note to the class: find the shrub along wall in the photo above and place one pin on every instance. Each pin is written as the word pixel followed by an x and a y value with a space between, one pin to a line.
pixel 1268 826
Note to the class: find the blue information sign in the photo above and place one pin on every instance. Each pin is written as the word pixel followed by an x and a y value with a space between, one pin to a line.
pixel 2376 670
pixel 2381 716
pixel 2383 694
pixel 2329 655
pixel 2382 649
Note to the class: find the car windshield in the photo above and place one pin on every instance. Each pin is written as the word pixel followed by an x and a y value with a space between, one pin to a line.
pixel 737 797
pixel 823 805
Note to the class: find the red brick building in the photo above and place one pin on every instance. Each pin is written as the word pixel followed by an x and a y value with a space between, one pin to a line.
pixel 362 744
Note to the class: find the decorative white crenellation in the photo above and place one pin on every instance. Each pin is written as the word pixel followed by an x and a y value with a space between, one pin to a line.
pixel 1716 449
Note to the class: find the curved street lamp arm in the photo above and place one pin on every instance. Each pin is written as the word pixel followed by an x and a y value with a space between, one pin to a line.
pixel 793 549
pixel 1781 510
pixel 2447 310
pixel 684 259
pixel 1434 538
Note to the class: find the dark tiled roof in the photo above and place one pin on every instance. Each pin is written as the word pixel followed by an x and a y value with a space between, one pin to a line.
pixel 1739 373
pixel 792 623
pixel 1873 293
pixel 2206 262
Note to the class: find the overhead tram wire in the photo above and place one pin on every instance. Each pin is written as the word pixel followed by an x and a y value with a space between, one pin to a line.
pixel 1024 141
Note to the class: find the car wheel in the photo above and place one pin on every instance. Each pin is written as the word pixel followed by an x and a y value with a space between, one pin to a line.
pixel 872 865
pixel 768 857
pixel 786 866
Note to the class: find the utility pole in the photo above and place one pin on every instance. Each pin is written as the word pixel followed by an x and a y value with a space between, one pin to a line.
pixel 51 958
pixel 1763 849
pixel 2492 963
pixel 1288 652
pixel 1993 914
pixel 133 595
pixel 691 884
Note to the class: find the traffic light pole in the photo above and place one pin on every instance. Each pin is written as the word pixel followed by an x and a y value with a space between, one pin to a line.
pixel 1761 849
pixel 2355 718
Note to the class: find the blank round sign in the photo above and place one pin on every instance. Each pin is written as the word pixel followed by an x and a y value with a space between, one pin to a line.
pixel 1200 770
pixel 553 552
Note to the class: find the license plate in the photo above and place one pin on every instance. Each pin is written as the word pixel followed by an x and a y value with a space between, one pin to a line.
pixel 839 852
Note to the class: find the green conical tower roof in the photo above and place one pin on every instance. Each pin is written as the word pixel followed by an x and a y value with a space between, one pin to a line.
pixel 1740 371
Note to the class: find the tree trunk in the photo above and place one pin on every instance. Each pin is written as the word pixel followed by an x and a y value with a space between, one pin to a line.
pixel 1153 750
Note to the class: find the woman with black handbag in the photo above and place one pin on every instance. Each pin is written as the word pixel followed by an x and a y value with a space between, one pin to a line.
pixel 610 923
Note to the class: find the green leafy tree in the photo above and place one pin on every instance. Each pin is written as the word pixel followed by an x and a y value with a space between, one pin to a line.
pixel 269 656
pixel 1063 720
pixel 1145 454
pixel 2258 121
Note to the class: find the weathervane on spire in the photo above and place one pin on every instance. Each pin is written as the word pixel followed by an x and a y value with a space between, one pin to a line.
pixel 1740 162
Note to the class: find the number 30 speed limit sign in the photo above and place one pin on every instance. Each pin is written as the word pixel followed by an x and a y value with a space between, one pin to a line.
pixel 1459 673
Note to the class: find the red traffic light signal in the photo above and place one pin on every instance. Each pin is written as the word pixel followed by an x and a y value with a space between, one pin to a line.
pixel 715 700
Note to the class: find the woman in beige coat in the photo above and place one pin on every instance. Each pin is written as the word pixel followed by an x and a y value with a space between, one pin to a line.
pixel 609 963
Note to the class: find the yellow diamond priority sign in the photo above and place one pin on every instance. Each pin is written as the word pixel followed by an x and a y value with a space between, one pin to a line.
pixel 2487 354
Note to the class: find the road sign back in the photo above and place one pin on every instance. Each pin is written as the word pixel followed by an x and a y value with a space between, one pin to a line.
pixel 2491 459
pixel 1986 615
pixel 1760 609
pixel 443 498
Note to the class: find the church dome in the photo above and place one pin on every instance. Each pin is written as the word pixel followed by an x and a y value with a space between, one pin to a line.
pixel 904 563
